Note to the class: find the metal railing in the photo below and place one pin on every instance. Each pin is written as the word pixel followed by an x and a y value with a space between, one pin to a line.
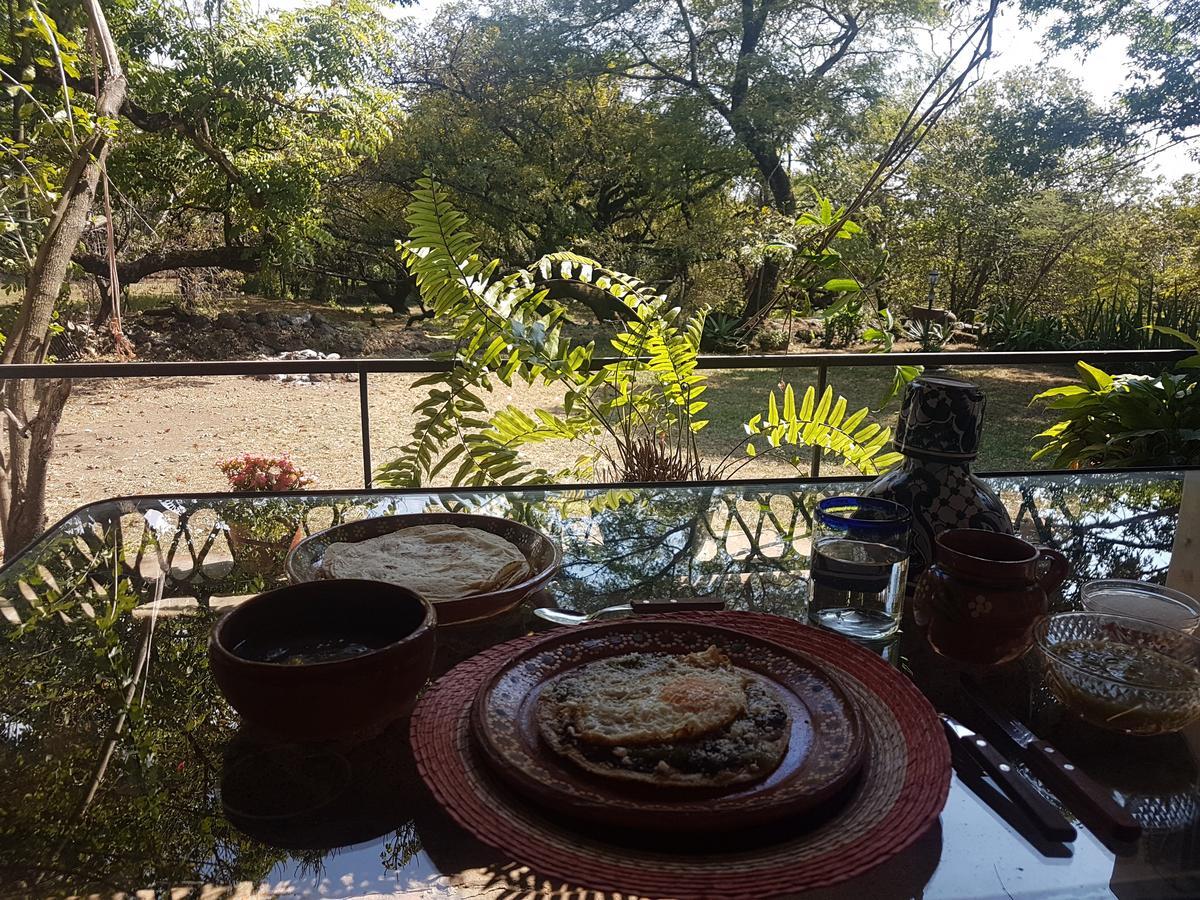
pixel 1118 360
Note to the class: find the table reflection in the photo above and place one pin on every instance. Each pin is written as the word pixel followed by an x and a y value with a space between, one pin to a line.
pixel 125 769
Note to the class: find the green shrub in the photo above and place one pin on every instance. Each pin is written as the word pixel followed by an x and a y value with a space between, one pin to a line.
pixel 773 338
pixel 1126 420
pixel 932 336
pixel 843 323
pixel 1102 325
pixel 723 333
pixel 634 419
pixel 1011 325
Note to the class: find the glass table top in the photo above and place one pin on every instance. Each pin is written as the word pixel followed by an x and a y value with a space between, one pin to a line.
pixel 122 769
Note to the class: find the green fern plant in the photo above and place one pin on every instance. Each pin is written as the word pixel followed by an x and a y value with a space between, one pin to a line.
pixel 633 419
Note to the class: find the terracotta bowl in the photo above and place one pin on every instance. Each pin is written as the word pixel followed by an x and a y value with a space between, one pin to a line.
pixel 357 695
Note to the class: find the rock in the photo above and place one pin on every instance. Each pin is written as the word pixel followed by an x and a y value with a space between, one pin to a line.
pixel 243 334
pixel 304 378
pixel 273 341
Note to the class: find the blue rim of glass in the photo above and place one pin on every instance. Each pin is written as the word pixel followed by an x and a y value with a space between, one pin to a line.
pixel 889 516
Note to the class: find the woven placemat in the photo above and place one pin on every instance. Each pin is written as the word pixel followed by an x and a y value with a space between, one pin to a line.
pixel 900 792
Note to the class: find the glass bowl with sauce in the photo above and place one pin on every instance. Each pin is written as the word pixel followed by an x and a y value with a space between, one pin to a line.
pixel 1142 600
pixel 1120 673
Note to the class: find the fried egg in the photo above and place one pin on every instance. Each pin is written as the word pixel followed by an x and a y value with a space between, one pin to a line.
pixel 641 698
pixel 671 721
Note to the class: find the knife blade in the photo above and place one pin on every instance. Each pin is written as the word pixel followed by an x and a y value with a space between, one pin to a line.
pixel 1041 812
pixel 1091 801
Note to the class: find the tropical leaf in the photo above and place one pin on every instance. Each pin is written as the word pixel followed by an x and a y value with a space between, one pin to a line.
pixel 1122 420
pixel 823 423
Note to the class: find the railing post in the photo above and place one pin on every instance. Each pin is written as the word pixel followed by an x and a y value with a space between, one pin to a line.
pixel 364 424
pixel 814 467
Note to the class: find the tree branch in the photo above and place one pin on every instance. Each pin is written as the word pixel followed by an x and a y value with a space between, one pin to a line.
pixel 194 131
pixel 693 43
pixel 241 259
pixel 841 44
pixel 753 22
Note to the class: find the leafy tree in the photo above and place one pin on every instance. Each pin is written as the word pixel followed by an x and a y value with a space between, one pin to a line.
pixel 55 166
pixel 760 74
pixel 233 125
pixel 1005 189
pixel 1163 48
pixel 236 126
pixel 543 156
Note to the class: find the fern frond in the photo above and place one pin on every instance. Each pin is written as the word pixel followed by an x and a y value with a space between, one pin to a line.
pixel 822 423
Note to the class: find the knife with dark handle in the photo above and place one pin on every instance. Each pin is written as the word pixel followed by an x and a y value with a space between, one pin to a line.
pixel 1041 812
pixel 1091 801
pixel 689 604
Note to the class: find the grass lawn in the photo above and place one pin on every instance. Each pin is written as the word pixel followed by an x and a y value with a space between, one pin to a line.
pixel 1010 423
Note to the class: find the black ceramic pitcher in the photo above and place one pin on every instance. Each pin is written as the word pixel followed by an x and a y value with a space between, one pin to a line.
pixel 941 420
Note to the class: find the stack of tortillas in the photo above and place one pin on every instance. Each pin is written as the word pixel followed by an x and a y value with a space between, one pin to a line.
pixel 440 562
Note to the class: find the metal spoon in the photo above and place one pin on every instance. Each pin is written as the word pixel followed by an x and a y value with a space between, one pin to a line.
pixel 635 607
pixel 568 617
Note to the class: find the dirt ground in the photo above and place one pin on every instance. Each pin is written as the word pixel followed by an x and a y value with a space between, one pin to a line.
pixel 147 436
pixel 167 435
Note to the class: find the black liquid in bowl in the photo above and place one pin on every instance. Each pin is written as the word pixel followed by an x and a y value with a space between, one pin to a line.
pixel 325 659
pixel 305 650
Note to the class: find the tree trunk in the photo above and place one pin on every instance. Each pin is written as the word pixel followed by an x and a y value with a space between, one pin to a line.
pixel 238 259
pixel 761 288
pixel 763 284
pixel 23 488
pixel 107 302
pixel 37 407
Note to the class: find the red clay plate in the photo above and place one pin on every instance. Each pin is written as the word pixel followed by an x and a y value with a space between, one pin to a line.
pixel 824 752
pixel 305 562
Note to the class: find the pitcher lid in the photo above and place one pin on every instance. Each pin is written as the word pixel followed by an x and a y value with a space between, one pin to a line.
pixel 941 418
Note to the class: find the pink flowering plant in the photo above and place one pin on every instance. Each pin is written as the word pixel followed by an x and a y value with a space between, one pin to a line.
pixel 267 519
pixel 265 473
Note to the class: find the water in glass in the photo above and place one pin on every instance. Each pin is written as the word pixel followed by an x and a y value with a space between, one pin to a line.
pixel 857 587
pixel 858 567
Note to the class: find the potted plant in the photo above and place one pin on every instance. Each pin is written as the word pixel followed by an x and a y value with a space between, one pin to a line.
pixel 262 530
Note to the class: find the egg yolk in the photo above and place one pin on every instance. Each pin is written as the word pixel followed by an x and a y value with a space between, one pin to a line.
pixel 691 693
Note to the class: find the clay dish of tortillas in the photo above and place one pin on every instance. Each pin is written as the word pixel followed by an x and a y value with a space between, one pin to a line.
pixel 470 567
pixel 440 562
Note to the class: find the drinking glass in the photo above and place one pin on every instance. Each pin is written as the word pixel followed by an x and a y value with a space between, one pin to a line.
pixel 859 565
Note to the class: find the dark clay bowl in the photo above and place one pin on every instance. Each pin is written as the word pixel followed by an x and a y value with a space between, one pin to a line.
pixel 354 696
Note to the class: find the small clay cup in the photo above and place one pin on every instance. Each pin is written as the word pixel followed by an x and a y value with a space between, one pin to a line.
pixel 983 594
pixel 352 697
